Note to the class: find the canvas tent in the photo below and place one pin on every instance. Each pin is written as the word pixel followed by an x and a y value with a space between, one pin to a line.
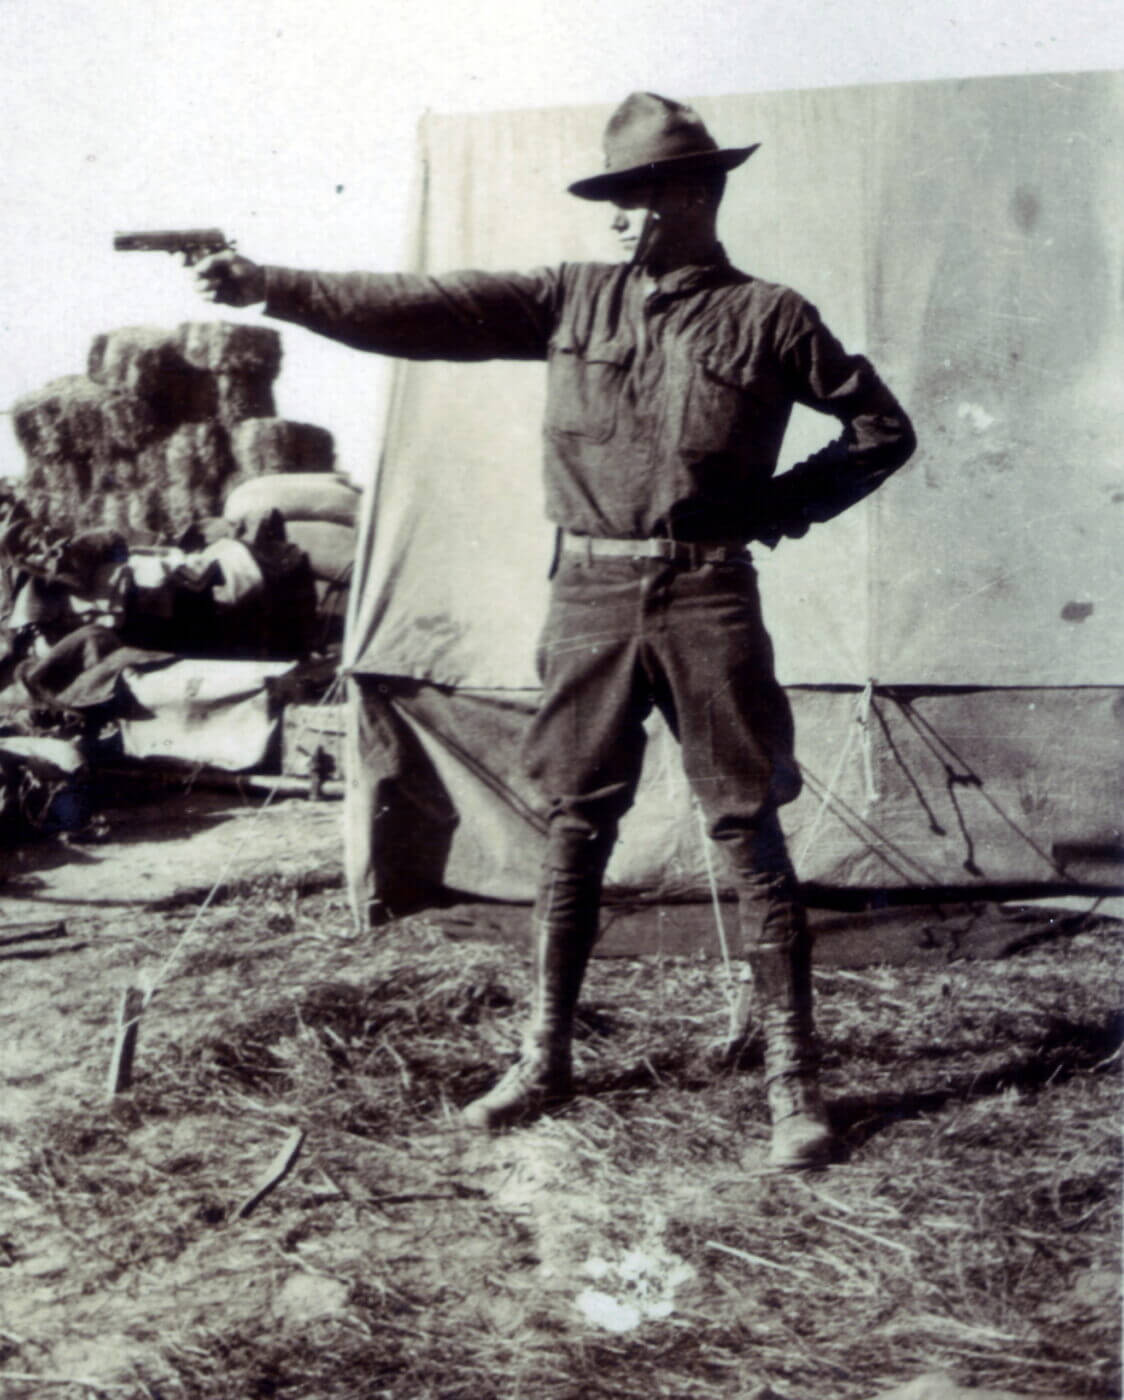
pixel 953 648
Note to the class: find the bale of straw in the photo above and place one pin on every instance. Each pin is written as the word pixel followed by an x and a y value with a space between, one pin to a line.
pixel 147 363
pixel 199 455
pixel 224 347
pixel 134 358
pixel 330 547
pixel 297 495
pixel 150 467
pixel 146 516
pixel 115 511
pixel 181 509
pixel 265 446
pixel 57 492
pixel 128 472
pixel 177 480
pixel 107 505
pixel 197 465
pixel 241 362
pixel 48 421
pixel 36 475
pixel 74 419
pixel 242 395
pixel 112 476
pixel 130 421
pixel 37 501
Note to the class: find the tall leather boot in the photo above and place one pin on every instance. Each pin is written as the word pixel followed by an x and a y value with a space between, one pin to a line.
pixel 564 930
pixel 778 949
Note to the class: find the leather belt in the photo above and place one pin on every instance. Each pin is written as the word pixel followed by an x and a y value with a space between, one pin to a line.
pixel 694 554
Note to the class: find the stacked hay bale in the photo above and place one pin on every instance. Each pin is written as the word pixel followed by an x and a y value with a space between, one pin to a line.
pixel 241 361
pixel 142 442
pixel 79 437
pixel 268 446
pixel 169 430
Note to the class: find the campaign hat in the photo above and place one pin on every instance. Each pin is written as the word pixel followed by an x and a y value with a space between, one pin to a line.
pixel 651 138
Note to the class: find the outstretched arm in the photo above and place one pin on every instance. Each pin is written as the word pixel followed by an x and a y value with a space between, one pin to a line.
pixel 456 316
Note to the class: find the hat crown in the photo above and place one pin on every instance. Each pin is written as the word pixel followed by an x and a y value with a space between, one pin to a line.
pixel 647 128
pixel 650 138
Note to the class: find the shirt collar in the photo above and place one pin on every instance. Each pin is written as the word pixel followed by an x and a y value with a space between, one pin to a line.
pixel 694 277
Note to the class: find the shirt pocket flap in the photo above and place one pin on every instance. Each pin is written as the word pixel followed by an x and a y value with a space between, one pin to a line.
pixel 594 351
pixel 712 405
pixel 584 384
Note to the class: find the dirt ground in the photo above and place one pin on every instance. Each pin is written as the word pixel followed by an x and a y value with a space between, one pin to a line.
pixel 167 848
pixel 633 1244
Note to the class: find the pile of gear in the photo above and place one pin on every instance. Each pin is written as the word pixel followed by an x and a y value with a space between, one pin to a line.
pixel 162 490
pixel 165 512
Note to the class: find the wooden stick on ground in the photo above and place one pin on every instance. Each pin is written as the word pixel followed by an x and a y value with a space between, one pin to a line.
pixel 124 1047
pixel 274 1174
pixel 29 932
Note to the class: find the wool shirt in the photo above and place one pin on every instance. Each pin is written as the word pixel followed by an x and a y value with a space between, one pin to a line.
pixel 667 399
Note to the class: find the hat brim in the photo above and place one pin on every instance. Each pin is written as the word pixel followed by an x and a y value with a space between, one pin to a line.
pixel 611 182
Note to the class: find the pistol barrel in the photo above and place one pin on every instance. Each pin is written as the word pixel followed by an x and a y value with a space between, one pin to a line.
pixel 192 241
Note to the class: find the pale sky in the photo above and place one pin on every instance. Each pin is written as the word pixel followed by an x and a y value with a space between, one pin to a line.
pixel 291 125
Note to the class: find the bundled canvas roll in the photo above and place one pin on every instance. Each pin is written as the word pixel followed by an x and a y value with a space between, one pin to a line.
pixel 242 579
pixel 330 547
pixel 264 446
pixel 316 496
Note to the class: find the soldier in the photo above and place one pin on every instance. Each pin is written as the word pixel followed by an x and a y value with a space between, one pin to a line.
pixel 671 378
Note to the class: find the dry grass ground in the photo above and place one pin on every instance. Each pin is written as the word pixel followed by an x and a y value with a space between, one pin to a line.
pixel 633 1245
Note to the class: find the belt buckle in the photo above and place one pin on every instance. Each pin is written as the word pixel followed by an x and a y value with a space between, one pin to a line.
pixel 674 551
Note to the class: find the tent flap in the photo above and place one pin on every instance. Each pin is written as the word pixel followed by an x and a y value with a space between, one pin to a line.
pixel 901 790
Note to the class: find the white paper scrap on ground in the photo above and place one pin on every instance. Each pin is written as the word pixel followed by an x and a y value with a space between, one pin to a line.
pixel 643 1284
pixel 538 1175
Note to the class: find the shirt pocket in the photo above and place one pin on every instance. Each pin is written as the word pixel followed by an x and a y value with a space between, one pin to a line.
pixel 584 387
pixel 713 409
